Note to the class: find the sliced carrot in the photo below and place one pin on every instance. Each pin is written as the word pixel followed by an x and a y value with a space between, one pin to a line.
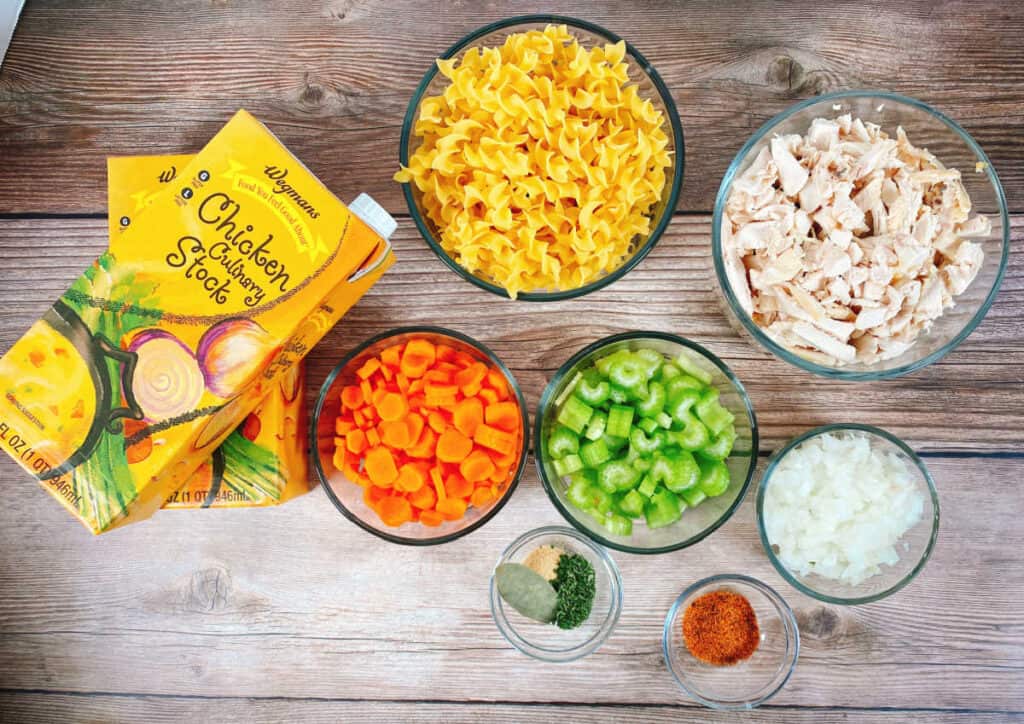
pixel 372 436
pixel 394 510
pixel 392 356
pixel 481 497
pixel 369 367
pixel 495 439
pixel 451 508
pixel 446 401
pixel 362 481
pixel 473 389
pixel 457 486
pixel 436 375
pixel 464 359
pixel 395 434
pixel 503 415
pixel 380 466
pixel 477 466
pixel 425 446
pixel 355 441
pixel 387 373
pixel 453 446
pixel 414 423
pixel 372 497
pixel 431 518
pixel 418 356
pixel 506 460
pixel 343 426
pixel 496 381
pixel 437 478
pixel 434 389
pixel 445 353
pixel 377 396
pixel 488 395
pixel 447 367
pixel 340 458
pixel 367 389
pixel 424 497
pixel 392 406
pixel 351 396
pixel 403 383
pixel 468 415
pixel 472 376
pixel 410 478
pixel 437 422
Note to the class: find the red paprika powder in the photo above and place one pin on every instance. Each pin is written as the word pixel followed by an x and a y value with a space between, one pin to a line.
pixel 720 628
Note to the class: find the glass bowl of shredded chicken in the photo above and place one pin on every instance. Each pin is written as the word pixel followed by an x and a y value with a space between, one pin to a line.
pixel 847 513
pixel 860 235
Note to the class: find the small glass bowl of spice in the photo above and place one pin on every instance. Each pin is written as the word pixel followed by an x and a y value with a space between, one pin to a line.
pixel 731 642
pixel 555 594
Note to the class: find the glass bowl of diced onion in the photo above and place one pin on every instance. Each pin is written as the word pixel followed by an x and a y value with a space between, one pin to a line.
pixel 696 521
pixel 873 540
pixel 348 496
pixel 926 128
pixel 649 86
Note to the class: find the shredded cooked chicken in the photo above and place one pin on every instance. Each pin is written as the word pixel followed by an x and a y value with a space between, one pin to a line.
pixel 845 244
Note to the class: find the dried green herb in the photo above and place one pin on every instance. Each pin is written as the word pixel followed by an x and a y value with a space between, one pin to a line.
pixel 576 586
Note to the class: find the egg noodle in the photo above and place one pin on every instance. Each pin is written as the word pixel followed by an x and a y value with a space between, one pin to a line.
pixel 540 163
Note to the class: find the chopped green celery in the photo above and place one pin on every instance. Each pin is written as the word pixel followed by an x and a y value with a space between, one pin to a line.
pixel 676 471
pixel 693 436
pixel 627 372
pixel 669 371
pixel 647 486
pixel 720 445
pixel 693 497
pixel 617 476
pixel 568 389
pixel 618 395
pixel 604 364
pixel 618 524
pixel 648 425
pixel 638 393
pixel 688 364
pixel 714 478
pixel 664 420
pixel 595 453
pixel 644 445
pixel 651 358
pixel 562 441
pixel 683 382
pixel 640 461
pixel 589 497
pixel 587 476
pixel 595 428
pixel 575 414
pixel 593 394
pixel 654 402
pixel 620 419
pixel 614 442
pixel 631 504
pixel 664 508
pixel 712 413
pixel 679 407
pixel 566 465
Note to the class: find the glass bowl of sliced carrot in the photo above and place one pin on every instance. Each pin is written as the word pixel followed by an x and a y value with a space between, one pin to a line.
pixel 419 435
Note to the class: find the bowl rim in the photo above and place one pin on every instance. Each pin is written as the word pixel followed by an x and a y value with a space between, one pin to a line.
pixel 787 615
pixel 337 371
pixel 615 575
pixel 548 395
pixel 671 114
pixel 765 480
pixel 840 372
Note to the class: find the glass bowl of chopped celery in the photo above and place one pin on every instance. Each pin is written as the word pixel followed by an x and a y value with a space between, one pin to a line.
pixel 732 685
pixel 847 513
pixel 488 268
pixel 390 437
pixel 558 638
pixel 645 441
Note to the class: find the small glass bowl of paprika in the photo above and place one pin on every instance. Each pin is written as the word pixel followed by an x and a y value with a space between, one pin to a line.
pixel 745 628
pixel 419 435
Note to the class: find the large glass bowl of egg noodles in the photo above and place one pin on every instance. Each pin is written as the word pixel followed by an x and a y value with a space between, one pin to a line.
pixel 541 157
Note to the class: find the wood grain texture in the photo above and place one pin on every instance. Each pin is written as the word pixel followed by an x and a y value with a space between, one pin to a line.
pixel 333 78
pixel 673 290
pixel 297 602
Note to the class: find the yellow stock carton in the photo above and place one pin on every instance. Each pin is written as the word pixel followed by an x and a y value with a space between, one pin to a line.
pixel 263 462
pixel 218 288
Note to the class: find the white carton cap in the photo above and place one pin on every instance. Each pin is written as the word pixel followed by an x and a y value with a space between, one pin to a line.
pixel 374 215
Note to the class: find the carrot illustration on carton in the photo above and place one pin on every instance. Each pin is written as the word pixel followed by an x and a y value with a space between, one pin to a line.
pixel 218 287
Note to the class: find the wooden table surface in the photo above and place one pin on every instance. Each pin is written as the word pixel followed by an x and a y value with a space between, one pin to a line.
pixel 294 613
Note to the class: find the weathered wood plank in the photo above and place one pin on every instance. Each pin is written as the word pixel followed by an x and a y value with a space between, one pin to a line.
pixel 674 290
pixel 46 708
pixel 298 602
pixel 333 79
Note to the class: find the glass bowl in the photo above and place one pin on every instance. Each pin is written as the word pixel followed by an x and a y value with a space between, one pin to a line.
pixel 748 683
pixel 346 495
pixel 641 73
pixel 546 641
pixel 927 128
pixel 917 543
pixel 697 523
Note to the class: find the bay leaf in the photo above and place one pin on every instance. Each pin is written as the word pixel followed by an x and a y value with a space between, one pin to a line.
pixel 526 591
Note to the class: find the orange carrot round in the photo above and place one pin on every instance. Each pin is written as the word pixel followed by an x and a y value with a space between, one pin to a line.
pixel 453 446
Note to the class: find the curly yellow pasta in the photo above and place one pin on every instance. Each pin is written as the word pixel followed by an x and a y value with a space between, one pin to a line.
pixel 540 163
